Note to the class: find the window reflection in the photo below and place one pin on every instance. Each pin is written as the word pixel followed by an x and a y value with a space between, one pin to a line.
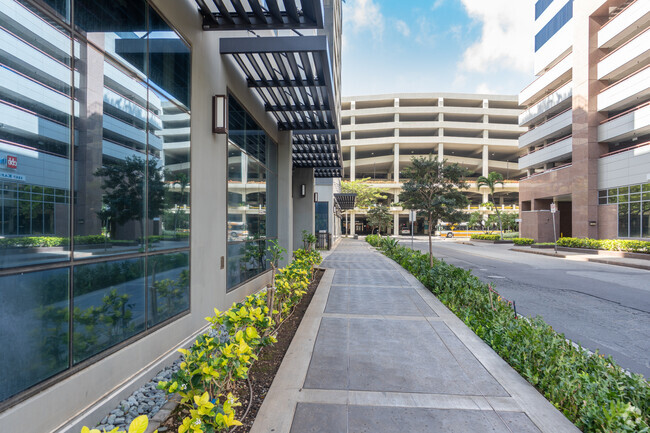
pixel 34 320
pixel 252 195
pixel 168 282
pixel 35 119
pixel 109 305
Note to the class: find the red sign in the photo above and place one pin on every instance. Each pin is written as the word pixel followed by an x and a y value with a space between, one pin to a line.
pixel 12 162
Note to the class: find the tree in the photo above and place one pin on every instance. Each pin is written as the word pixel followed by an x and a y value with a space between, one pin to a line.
pixel 124 185
pixel 434 189
pixel 475 220
pixel 380 216
pixel 367 195
pixel 183 180
pixel 491 181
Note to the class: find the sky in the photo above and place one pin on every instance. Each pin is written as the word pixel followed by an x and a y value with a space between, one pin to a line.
pixel 463 46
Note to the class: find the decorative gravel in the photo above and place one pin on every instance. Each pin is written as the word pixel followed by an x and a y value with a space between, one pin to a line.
pixel 148 399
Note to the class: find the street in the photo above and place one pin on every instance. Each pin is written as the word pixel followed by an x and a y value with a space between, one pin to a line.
pixel 603 307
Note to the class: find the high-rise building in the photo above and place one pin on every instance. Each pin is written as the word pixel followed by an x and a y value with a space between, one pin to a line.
pixel 587 148
pixel 381 133
pixel 149 152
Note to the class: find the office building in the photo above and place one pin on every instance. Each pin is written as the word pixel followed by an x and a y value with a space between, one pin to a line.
pixel 149 151
pixel 587 148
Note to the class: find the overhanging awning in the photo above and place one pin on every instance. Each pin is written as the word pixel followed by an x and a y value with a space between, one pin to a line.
pixel 346 200
pixel 293 76
pixel 261 15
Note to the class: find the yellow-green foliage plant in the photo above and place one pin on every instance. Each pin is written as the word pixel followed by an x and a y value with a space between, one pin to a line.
pixel 211 367
pixel 138 425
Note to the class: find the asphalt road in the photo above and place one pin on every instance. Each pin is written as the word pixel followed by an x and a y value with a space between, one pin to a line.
pixel 603 307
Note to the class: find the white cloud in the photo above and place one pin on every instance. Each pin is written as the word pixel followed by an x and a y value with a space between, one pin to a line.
pixel 403 28
pixel 484 89
pixel 363 15
pixel 437 4
pixel 507 35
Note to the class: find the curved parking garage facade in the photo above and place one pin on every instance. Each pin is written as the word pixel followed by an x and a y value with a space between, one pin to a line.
pixel 381 133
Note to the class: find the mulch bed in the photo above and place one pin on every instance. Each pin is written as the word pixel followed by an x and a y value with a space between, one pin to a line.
pixel 263 371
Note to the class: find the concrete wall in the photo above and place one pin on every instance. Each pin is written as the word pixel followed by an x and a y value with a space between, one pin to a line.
pixel 538 225
pixel 97 388
pixel 303 207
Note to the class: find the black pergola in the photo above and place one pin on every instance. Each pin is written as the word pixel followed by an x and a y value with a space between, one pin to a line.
pixel 346 201
pixel 293 76
pixel 258 15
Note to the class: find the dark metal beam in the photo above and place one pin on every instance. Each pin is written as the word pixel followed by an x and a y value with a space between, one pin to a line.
pixel 278 44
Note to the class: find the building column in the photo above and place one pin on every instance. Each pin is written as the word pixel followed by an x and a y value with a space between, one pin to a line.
pixel 303 206
pixel 353 161
pixel 285 199
pixel 486 158
pixel 441 152
pixel 396 215
pixel 486 197
pixel 396 163
pixel 353 224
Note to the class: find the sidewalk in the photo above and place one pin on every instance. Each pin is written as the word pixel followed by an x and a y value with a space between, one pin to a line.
pixel 377 352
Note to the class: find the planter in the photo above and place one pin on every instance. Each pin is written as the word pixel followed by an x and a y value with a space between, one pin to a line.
pixel 498 241
pixel 606 253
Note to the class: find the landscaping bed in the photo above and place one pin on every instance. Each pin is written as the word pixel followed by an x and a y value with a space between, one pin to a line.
pixel 262 371
pixel 591 390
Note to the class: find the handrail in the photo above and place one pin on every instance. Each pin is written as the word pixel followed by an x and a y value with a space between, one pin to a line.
pixel 619 13
pixel 646 143
pixel 34 47
pixel 638 107
pixel 33 80
pixel 624 78
pixel 568 164
pixel 35 149
pixel 538 78
pixel 549 144
pixel 548 120
pixel 618 48
pixel 542 100
pixel 33 113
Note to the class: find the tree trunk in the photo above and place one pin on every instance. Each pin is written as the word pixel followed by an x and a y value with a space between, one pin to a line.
pixel 498 216
pixel 430 245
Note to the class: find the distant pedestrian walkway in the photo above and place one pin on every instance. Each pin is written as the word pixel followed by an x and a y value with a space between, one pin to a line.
pixel 377 352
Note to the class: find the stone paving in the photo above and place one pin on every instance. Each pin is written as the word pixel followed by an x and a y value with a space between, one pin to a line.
pixel 376 352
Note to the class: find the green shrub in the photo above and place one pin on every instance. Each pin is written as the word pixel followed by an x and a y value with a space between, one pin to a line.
pixel 523 241
pixel 483 237
pixel 511 235
pixel 627 245
pixel 211 367
pixel 592 391
pixel 387 243
pixel 373 240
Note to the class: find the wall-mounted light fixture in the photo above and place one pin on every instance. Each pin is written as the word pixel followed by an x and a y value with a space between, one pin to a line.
pixel 315 197
pixel 220 114
pixel 303 190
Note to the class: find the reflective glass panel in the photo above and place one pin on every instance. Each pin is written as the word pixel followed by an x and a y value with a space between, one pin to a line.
pixel 34 335
pixel 168 285
pixel 245 261
pixel 35 114
pixel 623 220
pixel 109 305
pixel 645 220
pixel 635 220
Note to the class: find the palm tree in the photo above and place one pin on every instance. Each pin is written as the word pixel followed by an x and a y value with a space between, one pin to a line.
pixel 491 181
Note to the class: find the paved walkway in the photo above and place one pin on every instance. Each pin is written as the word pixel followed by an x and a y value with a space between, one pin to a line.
pixel 377 352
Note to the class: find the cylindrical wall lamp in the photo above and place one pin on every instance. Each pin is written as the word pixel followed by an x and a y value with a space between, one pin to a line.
pixel 303 190
pixel 220 114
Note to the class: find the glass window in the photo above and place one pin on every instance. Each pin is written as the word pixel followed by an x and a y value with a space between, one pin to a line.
pixel 34 320
pixel 109 305
pixel 612 199
pixel 635 188
pixel 623 220
pixel 168 282
pixel 36 112
pixel 645 220
pixel 252 194
pixel 322 214
pixel 635 220
pixel 623 190
pixel 540 7
pixel 602 193
pixel 563 16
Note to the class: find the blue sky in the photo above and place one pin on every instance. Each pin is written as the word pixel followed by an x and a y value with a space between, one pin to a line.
pixel 468 46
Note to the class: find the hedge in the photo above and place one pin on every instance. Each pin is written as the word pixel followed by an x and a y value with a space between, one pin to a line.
pixel 523 241
pixel 589 389
pixel 606 244
pixel 485 237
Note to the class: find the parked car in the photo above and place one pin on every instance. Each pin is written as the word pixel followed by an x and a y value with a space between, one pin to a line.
pixel 405 231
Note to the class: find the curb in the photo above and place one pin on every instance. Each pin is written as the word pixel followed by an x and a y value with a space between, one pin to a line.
pixel 584 259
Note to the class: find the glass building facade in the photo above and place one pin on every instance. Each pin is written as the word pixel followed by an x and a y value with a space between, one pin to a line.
pixel 252 195
pixel 633 209
pixel 94 181
pixel 563 16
